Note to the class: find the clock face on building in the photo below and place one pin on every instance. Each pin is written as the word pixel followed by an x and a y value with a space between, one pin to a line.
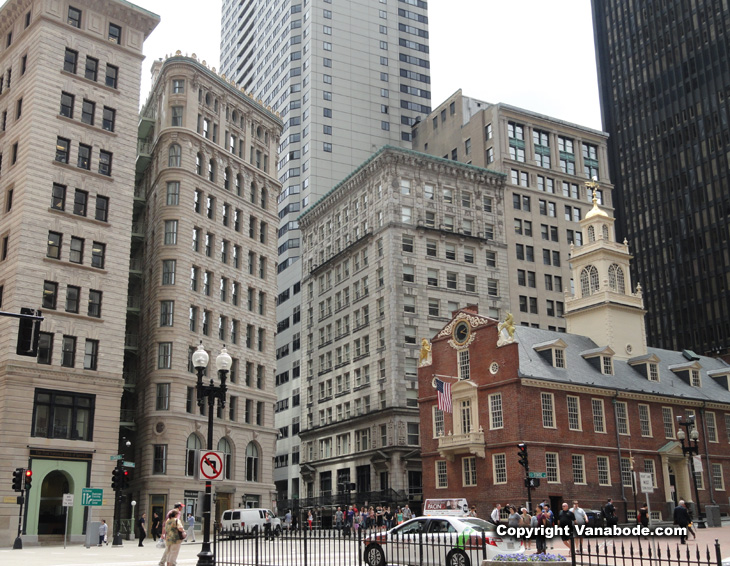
pixel 461 332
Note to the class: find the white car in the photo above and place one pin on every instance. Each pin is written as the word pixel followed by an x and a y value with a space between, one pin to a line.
pixel 438 541
pixel 248 521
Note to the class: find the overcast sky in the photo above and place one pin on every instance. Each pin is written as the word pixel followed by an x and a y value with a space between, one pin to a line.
pixel 534 54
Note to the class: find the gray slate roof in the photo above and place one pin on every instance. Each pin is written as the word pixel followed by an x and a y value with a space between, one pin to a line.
pixel 579 371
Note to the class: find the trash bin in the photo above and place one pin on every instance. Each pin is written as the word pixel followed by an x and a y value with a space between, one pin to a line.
pixel 595 518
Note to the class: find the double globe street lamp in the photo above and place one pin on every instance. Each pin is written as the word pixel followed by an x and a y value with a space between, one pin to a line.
pixel 692 449
pixel 211 392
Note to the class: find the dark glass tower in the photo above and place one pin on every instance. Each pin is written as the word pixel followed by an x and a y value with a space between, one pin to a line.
pixel 664 86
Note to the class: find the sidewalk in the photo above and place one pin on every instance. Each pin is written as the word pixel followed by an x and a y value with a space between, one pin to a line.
pixel 129 554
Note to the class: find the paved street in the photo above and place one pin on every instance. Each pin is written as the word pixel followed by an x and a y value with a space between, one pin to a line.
pixel 131 555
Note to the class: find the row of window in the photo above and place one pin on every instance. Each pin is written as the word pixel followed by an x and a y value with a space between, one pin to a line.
pixel 76 250
pixel 74 19
pixel 91 69
pixel 552 308
pixel 80 202
pixel 527 279
pixel 73 303
pixel 68 351
pixel 83 156
pixel 547 232
pixel 194 444
pixel 88 112
pixel 527 253
pixel 451 280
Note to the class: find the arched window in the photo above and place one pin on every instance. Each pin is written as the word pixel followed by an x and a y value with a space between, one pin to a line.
pixel 259 132
pixel 253 192
pixel 225 447
pixel 616 278
pixel 239 184
pixel 227 179
pixel 234 116
pixel 252 462
pixel 591 234
pixel 263 198
pixel 605 232
pixel 194 443
pixel 174 156
pixel 211 170
pixel 588 280
pixel 199 163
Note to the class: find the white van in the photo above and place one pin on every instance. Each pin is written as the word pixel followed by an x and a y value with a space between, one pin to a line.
pixel 452 507
pixel 249 521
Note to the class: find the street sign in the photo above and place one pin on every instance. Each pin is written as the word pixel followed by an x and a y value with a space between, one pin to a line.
pixel 210 466
pixel 645 480
pixel 68 499
pixel 128 464
pixel 117 457
pixel 537 474
pixel 91 497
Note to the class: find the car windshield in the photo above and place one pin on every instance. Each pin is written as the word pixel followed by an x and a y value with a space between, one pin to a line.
pixel 478 524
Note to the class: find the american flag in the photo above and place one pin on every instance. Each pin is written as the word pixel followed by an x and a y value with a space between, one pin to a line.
pixel 443 394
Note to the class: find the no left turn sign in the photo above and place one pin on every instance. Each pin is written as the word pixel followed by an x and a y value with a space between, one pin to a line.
pixel 210 466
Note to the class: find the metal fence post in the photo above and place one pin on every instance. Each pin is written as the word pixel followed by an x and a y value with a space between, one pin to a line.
pixel 718 554
pixel 304 543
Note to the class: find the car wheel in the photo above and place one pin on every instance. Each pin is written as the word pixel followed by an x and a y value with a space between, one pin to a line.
pixel 374 555
pixel 457 558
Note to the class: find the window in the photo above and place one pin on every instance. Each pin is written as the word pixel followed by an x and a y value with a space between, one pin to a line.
pixel 91 70
pixel 579 476
pixel 548 413
pixel 499 465
pixel 711 427
pixel 552 467
pixel 112 74
pixel 166 312
pixel 469 471
pixel 74 17
pixel 67 105
pixel 53 249
pixel 50 294
pixel 644 420
pixel 252 462
pixel 91 354
pixel 84 158
pixel 164 355
pixel 442 481
pixel 63 414
pixel 173 193
pixel 70 60
pixel 626 475
pixel 45 348
pixel 105 163
pixel 668 421
pixel 599 424
pixel 94 303
pixel 622 417
pixel 76 253
pixel 102 208
pixel 88 109
pixel 718 481
pixel 178 86
pixel 73 295
pixel 604 470
pixel 170 232
pixel 80 201
pixel 159 459
pixel 68 351
pixel 496 415
pixel 574 422
pixel 63 149
pixel 115 33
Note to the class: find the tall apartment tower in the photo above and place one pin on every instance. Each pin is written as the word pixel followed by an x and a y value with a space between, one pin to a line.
pixel 390 253
pixel 547 162
pixel 69 92
pixel 203 271
pixel 347 78
pixel 663 82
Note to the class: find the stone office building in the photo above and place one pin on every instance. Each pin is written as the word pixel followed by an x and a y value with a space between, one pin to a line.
pixel 203 269
pixel 390 253
pixel 68 96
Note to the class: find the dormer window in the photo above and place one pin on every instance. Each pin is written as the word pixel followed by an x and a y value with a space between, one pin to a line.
pixel 553 352
pixel 695 375
pixel 653 372
pixel 607 365
pixel 616 278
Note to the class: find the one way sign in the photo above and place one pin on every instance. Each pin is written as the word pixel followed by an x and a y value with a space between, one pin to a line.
pixel 210 466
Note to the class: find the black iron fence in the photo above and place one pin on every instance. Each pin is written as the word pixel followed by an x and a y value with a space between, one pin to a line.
pixel 372 547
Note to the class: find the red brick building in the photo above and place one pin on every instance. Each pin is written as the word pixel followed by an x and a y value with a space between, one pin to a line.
pixel 588 403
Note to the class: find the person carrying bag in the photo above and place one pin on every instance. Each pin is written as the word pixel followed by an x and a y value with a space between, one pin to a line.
pixel 174 535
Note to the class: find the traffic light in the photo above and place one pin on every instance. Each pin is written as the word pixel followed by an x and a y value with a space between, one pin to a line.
pixel 532 482
pixel 116 479
pixel 28 333
pixel 125 479
pixel 28 479
pixel 522 454
pixel 18 479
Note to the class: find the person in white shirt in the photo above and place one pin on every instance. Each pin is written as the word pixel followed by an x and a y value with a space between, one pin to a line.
pixel 580 519
pixel 495 513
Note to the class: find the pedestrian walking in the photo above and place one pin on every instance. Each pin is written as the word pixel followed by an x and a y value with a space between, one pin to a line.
pixel 338 520
pixel 103 531
pixel 566 520
pixel 287 520
pixel 174 535
pixel 310 520
pixel 580 519
pixel 191 528
pixel 495 515
pixel 682 519
pixel 142 529
pixel 156 526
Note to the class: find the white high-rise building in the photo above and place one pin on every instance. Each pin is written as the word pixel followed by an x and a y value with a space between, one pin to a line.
pixel 346 78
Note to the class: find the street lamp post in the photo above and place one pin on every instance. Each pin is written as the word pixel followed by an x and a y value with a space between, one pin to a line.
pixel 211 392
pixel 691 449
